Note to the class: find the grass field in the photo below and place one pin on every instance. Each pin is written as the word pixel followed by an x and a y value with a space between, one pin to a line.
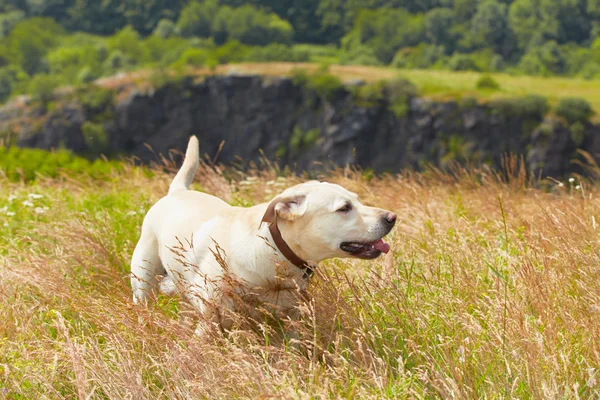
pixel 491 290
pixel 445 85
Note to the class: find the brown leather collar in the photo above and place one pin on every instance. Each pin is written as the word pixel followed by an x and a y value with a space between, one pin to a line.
pixel 270 218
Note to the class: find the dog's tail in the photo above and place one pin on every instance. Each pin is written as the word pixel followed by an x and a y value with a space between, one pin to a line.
pixel 186 173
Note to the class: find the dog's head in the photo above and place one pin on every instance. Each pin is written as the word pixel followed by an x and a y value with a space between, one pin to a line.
pixel 320 220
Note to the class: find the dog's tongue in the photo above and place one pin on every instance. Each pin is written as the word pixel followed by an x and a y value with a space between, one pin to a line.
pixel 382 246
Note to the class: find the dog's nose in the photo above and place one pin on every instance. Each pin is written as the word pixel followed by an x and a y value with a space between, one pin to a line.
pixel 390 218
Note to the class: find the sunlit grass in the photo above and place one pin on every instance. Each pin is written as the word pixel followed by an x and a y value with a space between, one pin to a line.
pixel 492 290
pixel 444 85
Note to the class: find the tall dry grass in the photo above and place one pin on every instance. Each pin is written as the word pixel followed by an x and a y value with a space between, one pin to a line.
pixel 492 290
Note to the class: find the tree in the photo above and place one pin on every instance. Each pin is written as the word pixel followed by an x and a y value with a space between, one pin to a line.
pixel 489 26
pixel 385 31
pixel 30 40
pixel 196 18
pixel 437 27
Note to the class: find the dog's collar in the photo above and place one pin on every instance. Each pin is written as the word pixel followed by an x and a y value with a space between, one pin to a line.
pixel 270 218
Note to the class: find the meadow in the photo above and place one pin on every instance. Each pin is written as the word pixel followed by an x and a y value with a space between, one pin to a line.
pixel 491 290
pixel 445 85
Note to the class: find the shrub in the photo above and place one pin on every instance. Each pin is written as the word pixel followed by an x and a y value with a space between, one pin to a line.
pixel 95 136
pixel 18 163
pixel 487 82
pixel 276 52
pixel 193 57
pixel 462 62
pixel 574 109
pixel 165 29
pixel 325 84
pixel 399 92
pixel 95 99
pixel 10 78
pixel 128 42
pixel 530 107
pixel 359 55
pixel 421 56
pixel 116 61
pixel 86 75
pixel 42 87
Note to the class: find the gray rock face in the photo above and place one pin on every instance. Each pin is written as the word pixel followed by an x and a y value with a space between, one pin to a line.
pixel 254 115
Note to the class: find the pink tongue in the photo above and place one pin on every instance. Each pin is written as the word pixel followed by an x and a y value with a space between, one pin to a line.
pixel 381 246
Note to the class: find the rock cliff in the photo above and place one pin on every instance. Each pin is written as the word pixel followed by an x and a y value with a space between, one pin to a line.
pixel 253 115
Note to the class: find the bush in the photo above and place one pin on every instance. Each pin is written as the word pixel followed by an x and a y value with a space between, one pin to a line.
pixel 359 55
pixel 325 85
pixel 530 107
pixel 165 29
pixel 128 42
pixel 117 61
pixel 462 62
pixel 276 52
pixel 42 86
pixel 421 56
pixel 574 109
pixel 95 99
pixel 487 82
pixel 399 92
pixel 95 137
pixel 86 75
pixel 10 78
pixel 18 163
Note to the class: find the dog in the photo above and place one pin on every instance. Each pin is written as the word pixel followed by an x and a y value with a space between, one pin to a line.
pixel 196 240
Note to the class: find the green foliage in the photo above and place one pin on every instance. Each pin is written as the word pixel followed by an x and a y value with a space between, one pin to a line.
pixel 42 87
pixel 11 77
pixel 420 56
pixel 325 85
pixel 95 136
pixel 301 139
pixel 95 99
pixel 530 107
pixel 277 52
pixel 462 62
pixel 165 29
pixel 487 82
pixel 385 31
pixel 28 164
pixel 30 40
pixel 574 110
pixel 127 42
pixel 196 18
pixel 399 92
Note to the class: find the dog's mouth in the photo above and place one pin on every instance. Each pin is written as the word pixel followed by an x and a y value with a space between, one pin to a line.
pixel 364 250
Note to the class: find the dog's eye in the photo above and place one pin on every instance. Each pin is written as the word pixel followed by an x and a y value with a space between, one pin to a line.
pixel 346 208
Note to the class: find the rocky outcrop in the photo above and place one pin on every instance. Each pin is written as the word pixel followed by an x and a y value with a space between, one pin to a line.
pixel 255 115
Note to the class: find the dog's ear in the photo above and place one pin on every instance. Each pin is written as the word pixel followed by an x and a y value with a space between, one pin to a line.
pixel 288 208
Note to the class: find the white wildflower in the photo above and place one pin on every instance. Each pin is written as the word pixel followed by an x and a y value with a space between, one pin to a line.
pixel 251 178
pixel 591 382
pixel 270 183
pixel 35 196
pixel 577 187
pixel 27 203
pixel 40 210
pixel 571 180
pixel 4 209
pixel 246 183
pixel 11 198
pixel 10 213
pixel 560 184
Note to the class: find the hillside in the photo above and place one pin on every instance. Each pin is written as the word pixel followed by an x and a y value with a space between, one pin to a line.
pixel 490 289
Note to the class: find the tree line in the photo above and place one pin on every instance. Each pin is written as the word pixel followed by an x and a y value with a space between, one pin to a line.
pixel 64 40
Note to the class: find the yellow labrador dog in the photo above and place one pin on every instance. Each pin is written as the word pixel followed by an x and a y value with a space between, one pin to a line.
pixel 195 239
